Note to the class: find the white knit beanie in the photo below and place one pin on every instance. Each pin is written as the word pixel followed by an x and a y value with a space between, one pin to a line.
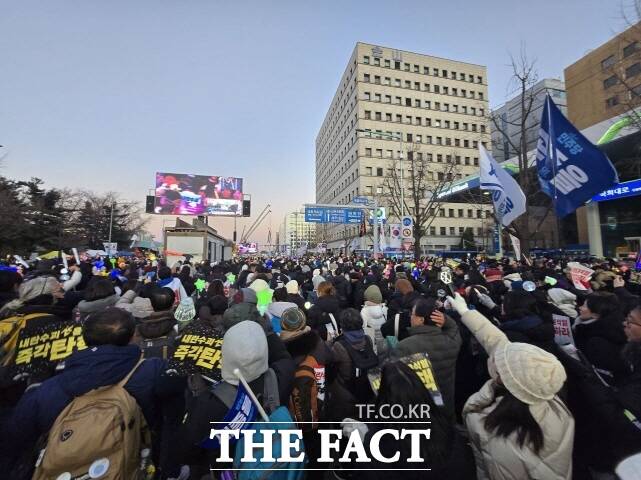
pixel 529 373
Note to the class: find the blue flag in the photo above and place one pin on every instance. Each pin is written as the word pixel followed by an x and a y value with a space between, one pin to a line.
pixel 571 169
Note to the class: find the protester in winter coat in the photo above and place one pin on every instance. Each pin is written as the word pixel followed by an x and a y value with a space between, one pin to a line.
pixel 445 452
pixel 374 314
pixel 311 357
pixel 318 316
pixel 598 332
pixel 522 322
pixel 244 348
pixel 564 301
pixel 437 335
pixel 98 295
pixel 606 416
pixel 518 426
pixel 107 360
pixel 38 295
pixel 401 304
pixel 343 390
pixel 342 286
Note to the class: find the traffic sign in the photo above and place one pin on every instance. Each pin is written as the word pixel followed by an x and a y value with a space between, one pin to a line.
pixel 408 227
pixel 407 232
pixel 360 200
pixel 333 215
pixel 407 221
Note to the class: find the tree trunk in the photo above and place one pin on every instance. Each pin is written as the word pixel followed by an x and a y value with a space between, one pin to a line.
pixel 418 235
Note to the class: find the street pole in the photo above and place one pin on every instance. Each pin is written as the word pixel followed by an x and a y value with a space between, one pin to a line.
pixel 375 247
pixel 400 139
pixel 111 221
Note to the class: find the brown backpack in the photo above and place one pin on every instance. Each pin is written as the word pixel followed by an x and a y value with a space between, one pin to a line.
pixel 98 435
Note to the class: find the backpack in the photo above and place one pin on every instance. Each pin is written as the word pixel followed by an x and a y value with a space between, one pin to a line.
pixel 363 360
pixel 161 347
pixel 100 434
pixel 10 332
pixel 306 403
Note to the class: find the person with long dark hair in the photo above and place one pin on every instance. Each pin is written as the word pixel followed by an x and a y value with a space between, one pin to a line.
pixel 519 428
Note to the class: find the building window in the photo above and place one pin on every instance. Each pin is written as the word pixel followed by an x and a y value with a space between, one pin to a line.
pixel 388 99
pixel 368 152
pixel 366 95
pixel 610 82
pixel 451 212
pixel 452 231
pixel 432 229
pixel 366 60
pixel 406 67
pixel 377 97
pixel 469 213
pixel 476 162
pixel 379 190
pixel 443 231
pixel 461 230
pixel 479 79
pixel 366 77
pixel 612 101
pixel 397 82
pixel 377 79
pixel 368 114
pixel 630 49
pixel 368 189
pixel 388 117
pixel 417 85
pixel 387 63
pixel 379 152
pixel 633 70
pixel 379 172
pixel 377 115
pixel 437 89
pixel 608 62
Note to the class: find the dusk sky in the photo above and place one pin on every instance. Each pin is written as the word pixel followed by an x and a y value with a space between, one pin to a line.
pixel 102 94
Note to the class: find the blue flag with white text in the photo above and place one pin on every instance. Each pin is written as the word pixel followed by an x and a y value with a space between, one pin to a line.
pixel 571 169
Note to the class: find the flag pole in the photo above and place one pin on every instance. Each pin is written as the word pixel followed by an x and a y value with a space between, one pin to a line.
pixel 552 152
pixel 250 392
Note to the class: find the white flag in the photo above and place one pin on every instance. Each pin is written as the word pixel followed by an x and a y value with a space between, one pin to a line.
pixel 516 244
pixel 508 198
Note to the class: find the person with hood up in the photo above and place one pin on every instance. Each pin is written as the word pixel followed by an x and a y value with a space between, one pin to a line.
pixel 564 301
pixel 98 295
pixel 374 314
pixel 277 307
pixel 437 335
pixel 244 348
pixel 243 308
pixel 323 315
pixel 598 332
pixel 400 305
pixel 518 426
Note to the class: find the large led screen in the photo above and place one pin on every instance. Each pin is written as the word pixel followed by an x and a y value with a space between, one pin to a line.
pixel 182 194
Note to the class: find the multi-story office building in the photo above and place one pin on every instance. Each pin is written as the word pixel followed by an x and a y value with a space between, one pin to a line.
pixel 506 120
pixel 295 232
pixel 438 107
pixel 606 82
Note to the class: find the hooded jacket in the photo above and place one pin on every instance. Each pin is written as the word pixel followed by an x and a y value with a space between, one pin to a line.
pixel 85 308
pixel 400 304
pixel 564 301
pixel 442 344
pixel 86 370
pixel 501 458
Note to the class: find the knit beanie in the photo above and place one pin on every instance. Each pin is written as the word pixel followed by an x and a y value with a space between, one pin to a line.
pixel 293 324
pixel 292 287
pixel 529 373
pixel 244 347
pixel 373 294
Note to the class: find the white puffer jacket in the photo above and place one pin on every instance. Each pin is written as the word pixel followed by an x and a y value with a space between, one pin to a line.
pixel 374 317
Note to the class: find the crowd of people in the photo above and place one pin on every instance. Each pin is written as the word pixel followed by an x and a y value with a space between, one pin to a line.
pixel 537 373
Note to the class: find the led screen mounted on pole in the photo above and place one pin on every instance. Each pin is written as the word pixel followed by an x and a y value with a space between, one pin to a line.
pixel 183 194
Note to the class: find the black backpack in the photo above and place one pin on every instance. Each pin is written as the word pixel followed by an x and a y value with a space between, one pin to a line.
pixel 363 360
pixel 160 347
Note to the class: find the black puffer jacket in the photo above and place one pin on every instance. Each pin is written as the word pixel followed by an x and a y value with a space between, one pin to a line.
pixel 442 345
pixel 343 290
pixel 530 329
pixel 318 315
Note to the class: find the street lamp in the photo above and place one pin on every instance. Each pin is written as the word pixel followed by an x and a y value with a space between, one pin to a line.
pixel 400 140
